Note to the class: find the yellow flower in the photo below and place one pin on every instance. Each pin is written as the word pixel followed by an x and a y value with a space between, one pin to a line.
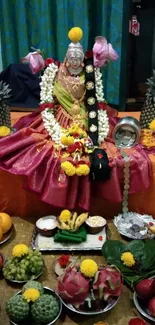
pixel 66 141
pixel 88 267
pixel 75 34
pixel 70 140
pixel 20 250
pixel 4 131
pixel 128 259
pixel 65 215
pixel 82 170
pixel 152 125
pixel 31 294
pixel 68 168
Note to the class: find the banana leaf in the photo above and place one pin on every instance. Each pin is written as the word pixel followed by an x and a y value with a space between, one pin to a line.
pixel 143 252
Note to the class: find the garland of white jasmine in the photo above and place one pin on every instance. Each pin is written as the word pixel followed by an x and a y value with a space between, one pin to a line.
pixel 51 125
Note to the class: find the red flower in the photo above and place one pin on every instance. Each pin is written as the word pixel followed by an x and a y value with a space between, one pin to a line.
pixel 78 145
pixel 136 321
pixel 102 105
pixel 63 260
pixel 49 61
pixel 71 148
pixel 89 54
pixel 76 135
pixel 100 238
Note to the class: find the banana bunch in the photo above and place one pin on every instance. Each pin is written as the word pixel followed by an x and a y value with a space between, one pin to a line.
pixel 74 223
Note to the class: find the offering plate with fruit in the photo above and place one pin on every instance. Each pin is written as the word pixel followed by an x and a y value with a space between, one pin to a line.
pixel 135 226
pixel 89 289
pixel 34 304
pixel 144 298
pixel 23 265
pixel 70 231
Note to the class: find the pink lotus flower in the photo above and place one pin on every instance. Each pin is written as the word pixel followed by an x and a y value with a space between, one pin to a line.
pixel 107 283
pixel 73 286
pixel 103 52
pixel 36 61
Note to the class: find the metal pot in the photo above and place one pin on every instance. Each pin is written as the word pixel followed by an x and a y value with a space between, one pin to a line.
pixel 126 132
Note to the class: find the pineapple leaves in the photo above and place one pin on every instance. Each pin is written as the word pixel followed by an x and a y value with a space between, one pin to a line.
pixel 4 91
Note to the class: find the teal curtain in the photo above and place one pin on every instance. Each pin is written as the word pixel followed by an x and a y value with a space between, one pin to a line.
pixel 44 24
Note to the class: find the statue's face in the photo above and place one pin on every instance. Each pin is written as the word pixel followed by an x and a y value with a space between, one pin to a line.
pixel 75 62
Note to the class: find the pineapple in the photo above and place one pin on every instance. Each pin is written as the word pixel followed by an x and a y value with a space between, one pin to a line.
pixel 5 118
pixel 148 110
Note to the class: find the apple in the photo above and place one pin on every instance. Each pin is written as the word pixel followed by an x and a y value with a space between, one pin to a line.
pixel 151 307
pixel 144 289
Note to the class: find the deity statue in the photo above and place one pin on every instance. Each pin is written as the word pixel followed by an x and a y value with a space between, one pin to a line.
pixel 65 149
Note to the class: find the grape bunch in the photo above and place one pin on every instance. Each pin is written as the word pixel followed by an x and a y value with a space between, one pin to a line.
pixel 23 268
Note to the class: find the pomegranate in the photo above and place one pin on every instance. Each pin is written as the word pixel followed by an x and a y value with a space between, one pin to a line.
pixel 153 287
pixel 144 289
pixel 151 307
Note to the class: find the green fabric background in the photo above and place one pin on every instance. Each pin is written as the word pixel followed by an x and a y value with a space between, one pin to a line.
pixel 44 24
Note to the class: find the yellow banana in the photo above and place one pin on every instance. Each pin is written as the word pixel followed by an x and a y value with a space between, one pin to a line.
pixel 80 220
pixel 73 219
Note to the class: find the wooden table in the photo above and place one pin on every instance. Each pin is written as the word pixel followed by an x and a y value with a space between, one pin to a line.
pixel 121 313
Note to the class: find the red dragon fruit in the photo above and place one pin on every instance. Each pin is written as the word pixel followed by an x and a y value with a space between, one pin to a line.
pixel 107 283
pixel 73 286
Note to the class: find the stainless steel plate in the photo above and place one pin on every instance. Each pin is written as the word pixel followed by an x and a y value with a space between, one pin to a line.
pixel 91 313
pixel 124 222
pixel 8 235
pixel 92 243
pixel 48 291
pixel 141 308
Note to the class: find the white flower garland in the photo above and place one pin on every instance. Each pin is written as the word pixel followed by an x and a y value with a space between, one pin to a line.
pixel 51 125
pixel 99 85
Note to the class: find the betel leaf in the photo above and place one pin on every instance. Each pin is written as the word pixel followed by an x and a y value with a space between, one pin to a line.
pixel 143 251
pixel 113 249
pixel 148 258
pixel 136 247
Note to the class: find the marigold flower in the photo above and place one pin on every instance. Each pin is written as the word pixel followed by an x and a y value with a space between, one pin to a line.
pixel 4 131
pixel 68 168
pixel 152 125
pixel 65 215
pixel 82 170
pixel 31 294
pixel 88 267
pixel 128 259
pixel 20 250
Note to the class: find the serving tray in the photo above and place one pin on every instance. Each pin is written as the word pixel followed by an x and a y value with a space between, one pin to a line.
pixel 93 243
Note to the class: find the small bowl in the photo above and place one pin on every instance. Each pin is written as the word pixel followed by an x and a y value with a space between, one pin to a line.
pixel 95 229
pixel 47 226
pixel 50 292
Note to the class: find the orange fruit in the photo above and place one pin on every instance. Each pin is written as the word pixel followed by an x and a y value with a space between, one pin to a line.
pixel 1 233
pixel 5 222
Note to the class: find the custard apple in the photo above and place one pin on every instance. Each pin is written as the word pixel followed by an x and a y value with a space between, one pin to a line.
pixel 45 309
pixel 34 285
pixel 17 308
